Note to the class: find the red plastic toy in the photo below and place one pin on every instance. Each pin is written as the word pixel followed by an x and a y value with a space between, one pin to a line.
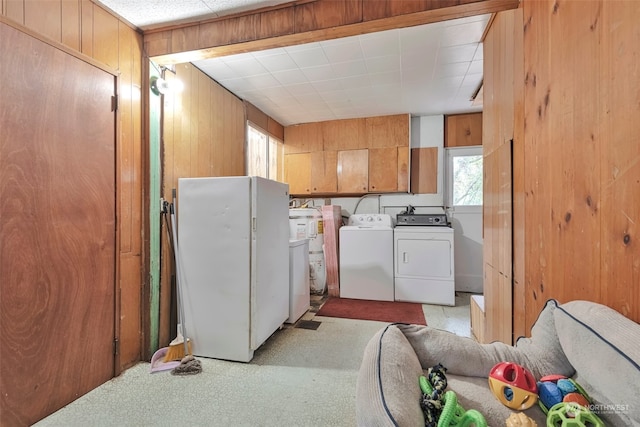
pixel 513 385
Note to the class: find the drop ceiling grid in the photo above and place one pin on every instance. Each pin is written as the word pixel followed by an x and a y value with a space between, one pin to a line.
pixel 429 69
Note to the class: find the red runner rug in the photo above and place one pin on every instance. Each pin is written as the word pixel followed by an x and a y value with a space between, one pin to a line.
pixel 381 311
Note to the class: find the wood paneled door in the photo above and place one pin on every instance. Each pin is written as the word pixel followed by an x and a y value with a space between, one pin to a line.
pixel 57 227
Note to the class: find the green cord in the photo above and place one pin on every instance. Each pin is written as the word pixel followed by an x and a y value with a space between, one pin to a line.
pixel 453 415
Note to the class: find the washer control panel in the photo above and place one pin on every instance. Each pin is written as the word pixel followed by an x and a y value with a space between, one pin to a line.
pixel 370 220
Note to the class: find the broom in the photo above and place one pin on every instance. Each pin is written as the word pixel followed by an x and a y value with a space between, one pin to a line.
pixel 180 348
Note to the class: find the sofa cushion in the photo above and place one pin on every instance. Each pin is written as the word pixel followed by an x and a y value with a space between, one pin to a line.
pixel 474 393
pixel 541 353
pixel 604 348
pixel 387 389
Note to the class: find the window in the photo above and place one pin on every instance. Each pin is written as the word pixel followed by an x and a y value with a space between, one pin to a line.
pixel 264 154
pixel 464 176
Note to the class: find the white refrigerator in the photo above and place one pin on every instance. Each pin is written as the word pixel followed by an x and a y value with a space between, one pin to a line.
pixel 233 241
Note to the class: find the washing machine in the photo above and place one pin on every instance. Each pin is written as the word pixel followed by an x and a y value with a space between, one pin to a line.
pixel 366 257
pixel 424 264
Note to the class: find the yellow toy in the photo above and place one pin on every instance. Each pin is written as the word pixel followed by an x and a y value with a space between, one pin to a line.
pixel 519 419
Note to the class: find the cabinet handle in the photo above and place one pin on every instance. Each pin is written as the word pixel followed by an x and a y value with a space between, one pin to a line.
pixel 405 257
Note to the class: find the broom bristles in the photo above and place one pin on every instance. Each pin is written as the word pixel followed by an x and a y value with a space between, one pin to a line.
pixel 176 351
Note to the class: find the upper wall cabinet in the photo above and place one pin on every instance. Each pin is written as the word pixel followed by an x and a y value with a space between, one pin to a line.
pixel 463 130
pixel 352 156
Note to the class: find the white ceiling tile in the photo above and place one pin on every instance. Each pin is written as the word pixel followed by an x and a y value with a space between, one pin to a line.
pixel 384 43
pixel 354 82
pixel 381 64
pixel 322 72
pixel 279 62
pixel 327 85
pixel 476 67
pixel 236 84
pixel 448 82
pixel 380 79
pixel 336 95
pixel 462 34
pixel 349 69
pixel 339 50
pixel 301 89
pixel 479 53
pixel 308 57
pixel 262 81
pixel 245 65
pixel 290 77
pixel 217 68
pixel 462 53
pixel 413 42
pixel 418 61
pixel 453 69
pixel 472 79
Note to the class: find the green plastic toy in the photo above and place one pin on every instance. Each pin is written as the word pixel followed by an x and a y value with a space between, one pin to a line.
pixel 453 414
pixel 569 414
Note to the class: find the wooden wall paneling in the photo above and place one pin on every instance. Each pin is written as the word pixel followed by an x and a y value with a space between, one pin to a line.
pixel 620 161
pixel 424 170
pixel 14 10
pixel 71 24
pixel 571 115
pixel 403 169
pixel 194 122
pixel 277 22
pixel 44 17
pixel 86 30
pixel 383 169
pixel 105 31
pixel 182 127
pixel 235 142
pixel 275 129
pixel 204 137
pixel 227 31
pixel 518 177
pixel 256 116
pixel 185 37
pixel 463 130
pixel 353 171
pixel 217 130
pixel 326 14
pixel 125 153
pixel 324 176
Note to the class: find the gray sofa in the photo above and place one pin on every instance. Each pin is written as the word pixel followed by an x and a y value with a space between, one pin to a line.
pixel 591 343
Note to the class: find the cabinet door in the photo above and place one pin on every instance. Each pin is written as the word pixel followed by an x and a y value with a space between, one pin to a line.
pixel 383 169
pixel 463 130
pixel 324 176
pixel 353 171
pixel 346 134
pixel 304 138
pixel 297 172
pixel 424 170
pixel 403 169
pixel 387 131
